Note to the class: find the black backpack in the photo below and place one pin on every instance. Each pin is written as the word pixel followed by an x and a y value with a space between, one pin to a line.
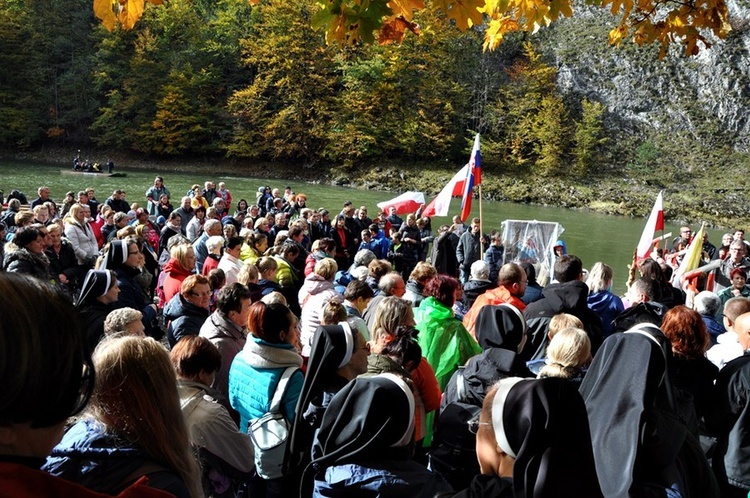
pixel 454 453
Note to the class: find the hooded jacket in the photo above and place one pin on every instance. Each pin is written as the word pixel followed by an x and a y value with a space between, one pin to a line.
pixel 315 293
pixel 184 318
pixel 99 460
pixel 568 297
pixel 607 306
pixel 174 274
pixel 444 341
pixel 229 338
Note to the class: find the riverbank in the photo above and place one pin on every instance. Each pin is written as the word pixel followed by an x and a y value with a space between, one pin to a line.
pixel 618 195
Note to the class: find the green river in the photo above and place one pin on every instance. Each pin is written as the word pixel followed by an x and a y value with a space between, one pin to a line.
pixel 591 236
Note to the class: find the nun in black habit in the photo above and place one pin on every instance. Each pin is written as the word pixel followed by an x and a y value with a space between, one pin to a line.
pixel 533 442
pixel 363 447
pixel 501 332
pixel 125 259
pixel 642 445
pixel 338 354
pixel 97 298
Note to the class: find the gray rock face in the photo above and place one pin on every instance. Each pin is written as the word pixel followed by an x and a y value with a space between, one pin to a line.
pixel 707 96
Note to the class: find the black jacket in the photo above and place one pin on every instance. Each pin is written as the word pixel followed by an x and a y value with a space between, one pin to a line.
pixel 729 419
pixel 568 297
pixel 475 288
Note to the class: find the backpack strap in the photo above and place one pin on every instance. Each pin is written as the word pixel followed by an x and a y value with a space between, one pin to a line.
pixel 460 385
pixel 281 389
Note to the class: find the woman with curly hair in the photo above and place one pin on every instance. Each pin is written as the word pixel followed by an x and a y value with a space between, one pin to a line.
pixel 692 371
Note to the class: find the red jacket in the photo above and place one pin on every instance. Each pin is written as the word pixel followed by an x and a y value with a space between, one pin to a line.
pixel 19 481
pixel 174 274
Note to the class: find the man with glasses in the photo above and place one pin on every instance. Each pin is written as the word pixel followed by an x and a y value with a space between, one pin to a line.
pixel 737 259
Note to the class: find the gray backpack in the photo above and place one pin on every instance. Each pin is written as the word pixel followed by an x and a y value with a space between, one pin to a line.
pixel 270 433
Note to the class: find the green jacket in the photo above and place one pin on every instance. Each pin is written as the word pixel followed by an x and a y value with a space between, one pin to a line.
pixel 444 341
pixel 285 275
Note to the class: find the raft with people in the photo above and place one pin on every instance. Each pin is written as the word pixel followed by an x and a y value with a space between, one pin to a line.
pixel 92 173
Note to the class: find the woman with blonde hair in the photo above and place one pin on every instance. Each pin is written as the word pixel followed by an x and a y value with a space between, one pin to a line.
pixel 601 300
pixel 393 312
pixel 568 355
pixel 81 236
pixel 316 291
pixel 180 266
pixel 111 446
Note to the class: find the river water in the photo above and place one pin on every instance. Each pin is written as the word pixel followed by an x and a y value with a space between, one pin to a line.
pixel 591 236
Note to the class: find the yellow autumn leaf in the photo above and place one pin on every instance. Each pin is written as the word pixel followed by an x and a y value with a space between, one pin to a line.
pixel 405 8
pixel 617 34
pixel 465 12
pixel 130 12
pixel 103 10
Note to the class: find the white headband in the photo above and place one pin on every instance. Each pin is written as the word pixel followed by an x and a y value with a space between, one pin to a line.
pixel 498 406
pixel 409 433
pixel 349 338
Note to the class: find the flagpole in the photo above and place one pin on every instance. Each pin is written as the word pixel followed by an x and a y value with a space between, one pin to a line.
pixel 481 225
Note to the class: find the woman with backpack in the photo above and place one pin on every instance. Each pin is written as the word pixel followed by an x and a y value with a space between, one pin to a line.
pixel 269 363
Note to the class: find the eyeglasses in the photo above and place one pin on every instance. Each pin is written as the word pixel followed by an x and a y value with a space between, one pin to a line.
pixel 474 424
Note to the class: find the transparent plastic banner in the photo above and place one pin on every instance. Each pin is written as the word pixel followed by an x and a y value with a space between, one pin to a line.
pixel 532 242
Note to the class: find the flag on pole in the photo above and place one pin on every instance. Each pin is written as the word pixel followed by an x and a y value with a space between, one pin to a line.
pixel 408 202
pixel 655 222
pixel 440 204
pixel 692 258
pixel 473 177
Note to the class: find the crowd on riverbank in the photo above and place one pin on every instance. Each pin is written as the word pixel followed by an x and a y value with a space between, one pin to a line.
pixel 400 359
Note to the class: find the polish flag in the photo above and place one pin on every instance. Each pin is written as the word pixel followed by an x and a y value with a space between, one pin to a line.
pixel 408 202
pixel 440 204
pixel 655 222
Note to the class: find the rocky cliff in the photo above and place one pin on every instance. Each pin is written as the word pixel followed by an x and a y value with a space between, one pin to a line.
pixel 704 98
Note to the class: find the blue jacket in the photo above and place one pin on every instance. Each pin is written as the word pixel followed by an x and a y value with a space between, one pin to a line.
pixel 184 318
pixel 607 306
pixel 493 256
pixel 251 388
pixel 392 478
pixel 99 460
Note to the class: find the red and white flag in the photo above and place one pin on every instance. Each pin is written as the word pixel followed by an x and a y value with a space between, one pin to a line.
pixel 455 187
pixel 408 202
pixel 655 222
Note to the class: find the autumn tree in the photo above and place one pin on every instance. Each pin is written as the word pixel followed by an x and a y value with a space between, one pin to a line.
pixel 285 112
pixel 589 136
pixel 165 84
pixel 349 22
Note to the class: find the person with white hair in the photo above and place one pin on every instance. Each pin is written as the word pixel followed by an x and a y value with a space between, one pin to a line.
pixel 478 283
pixel 214 244
pixel 708 305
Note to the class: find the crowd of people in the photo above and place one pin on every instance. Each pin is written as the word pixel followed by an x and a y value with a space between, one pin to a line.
pixel 266 349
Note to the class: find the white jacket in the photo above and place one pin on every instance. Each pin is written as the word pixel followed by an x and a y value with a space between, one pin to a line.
pixel 83 240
